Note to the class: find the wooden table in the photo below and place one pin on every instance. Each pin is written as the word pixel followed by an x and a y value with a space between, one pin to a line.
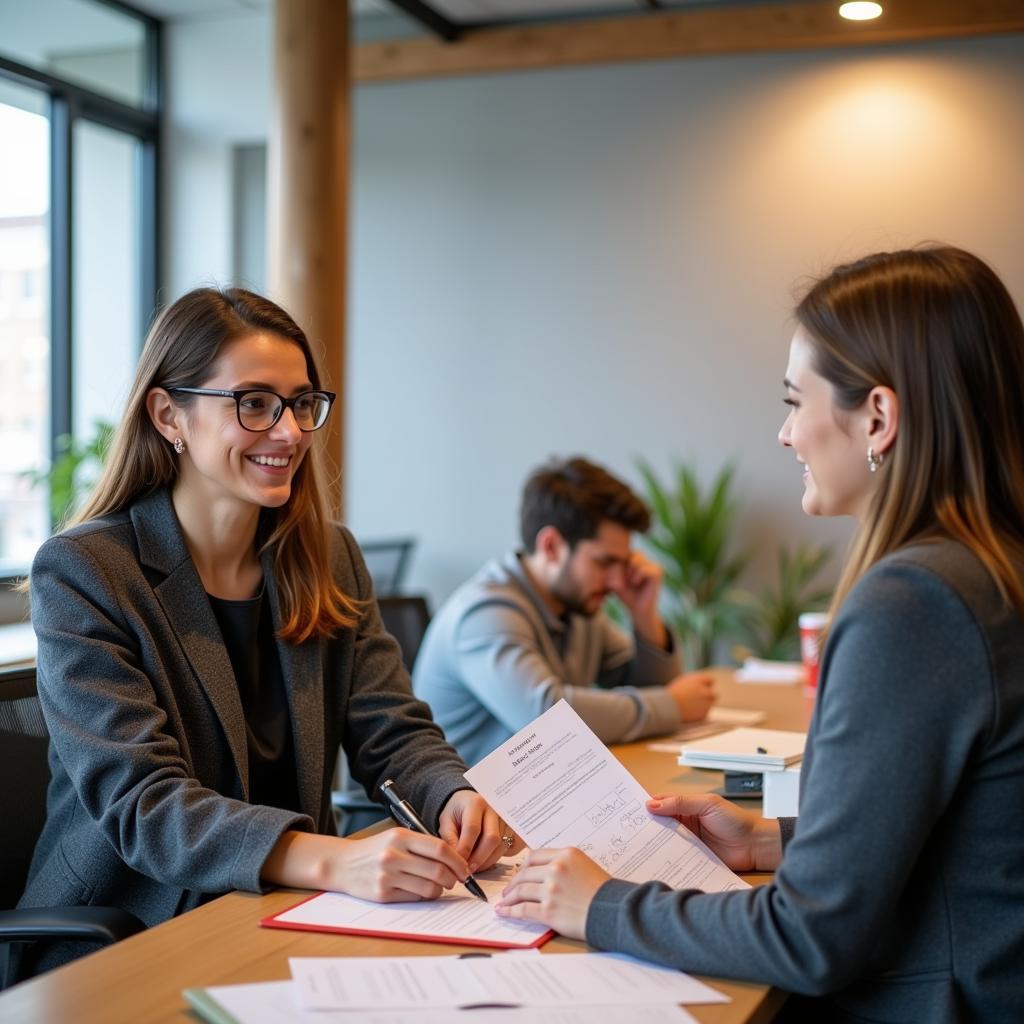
pixel 141 979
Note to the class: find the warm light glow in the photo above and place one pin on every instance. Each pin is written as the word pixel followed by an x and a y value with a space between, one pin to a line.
pixel 860 10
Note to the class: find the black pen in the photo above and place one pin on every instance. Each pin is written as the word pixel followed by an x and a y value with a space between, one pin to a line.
pixel 406 816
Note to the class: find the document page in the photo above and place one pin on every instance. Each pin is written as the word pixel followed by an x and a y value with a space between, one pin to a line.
pixel 457 916
pixel 276 1002
pixel 557 785
pixel 503 980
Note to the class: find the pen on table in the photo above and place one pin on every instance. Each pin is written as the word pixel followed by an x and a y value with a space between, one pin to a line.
pixel 403 811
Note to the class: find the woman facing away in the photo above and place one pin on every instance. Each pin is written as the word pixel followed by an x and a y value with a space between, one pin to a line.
pixel 208 639
pixel 899 891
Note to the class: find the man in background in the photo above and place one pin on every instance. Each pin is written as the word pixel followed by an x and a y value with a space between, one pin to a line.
pixel 529 630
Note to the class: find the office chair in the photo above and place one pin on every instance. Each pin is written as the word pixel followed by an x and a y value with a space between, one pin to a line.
pixel 388 562
pixel 406 619
pixel 24 776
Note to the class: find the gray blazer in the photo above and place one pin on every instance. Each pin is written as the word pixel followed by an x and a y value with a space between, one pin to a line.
pixel 148 804
pixel 901 894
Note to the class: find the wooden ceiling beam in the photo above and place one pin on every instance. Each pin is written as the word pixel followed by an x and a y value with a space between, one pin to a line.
pixel 658 35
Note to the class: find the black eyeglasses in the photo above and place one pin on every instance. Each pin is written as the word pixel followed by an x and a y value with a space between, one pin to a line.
pixel 259 409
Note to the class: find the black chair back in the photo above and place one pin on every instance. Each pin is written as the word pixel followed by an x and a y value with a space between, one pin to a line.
pixel 406 619
pixel 24 776
pixel 388 562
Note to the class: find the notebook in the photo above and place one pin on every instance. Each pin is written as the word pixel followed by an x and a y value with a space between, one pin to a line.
pixel 752 750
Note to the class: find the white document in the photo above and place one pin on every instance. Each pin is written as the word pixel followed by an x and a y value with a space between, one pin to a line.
pixel 757 670
pixel 456 916
pixel 718 720
pixel 275 1002
pixel 557 784
pixel 504 980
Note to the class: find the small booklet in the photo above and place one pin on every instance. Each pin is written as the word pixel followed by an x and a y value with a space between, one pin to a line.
pixel 752 750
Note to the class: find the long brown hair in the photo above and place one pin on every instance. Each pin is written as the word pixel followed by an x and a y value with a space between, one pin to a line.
pixel 938 327
pixel 180 351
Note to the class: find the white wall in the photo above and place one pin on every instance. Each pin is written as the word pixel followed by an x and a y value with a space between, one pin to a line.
pixel 602 260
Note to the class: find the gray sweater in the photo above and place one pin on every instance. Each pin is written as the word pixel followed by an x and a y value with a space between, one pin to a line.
pixel 901 893
pixel 495 657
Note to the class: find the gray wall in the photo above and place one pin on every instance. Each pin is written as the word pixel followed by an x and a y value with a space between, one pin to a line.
pixel 602 260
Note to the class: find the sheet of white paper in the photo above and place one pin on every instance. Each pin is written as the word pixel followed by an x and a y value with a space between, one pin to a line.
pixel 275 1002
pixel 757 670
pixel 735 716
pixel 557 784
pixel 718 720
pixel 512 979
pixel 457 915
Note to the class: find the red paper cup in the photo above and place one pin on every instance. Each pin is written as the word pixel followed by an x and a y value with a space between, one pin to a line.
pixel 811 626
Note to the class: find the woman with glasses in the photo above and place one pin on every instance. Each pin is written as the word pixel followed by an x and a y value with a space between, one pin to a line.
pixel 899 892
pixel 207 641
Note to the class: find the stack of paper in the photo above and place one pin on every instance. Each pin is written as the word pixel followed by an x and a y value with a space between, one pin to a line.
pixel 592 988
pixel 746 750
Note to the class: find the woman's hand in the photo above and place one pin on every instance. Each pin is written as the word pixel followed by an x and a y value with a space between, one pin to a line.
pixel 745 841
pixel 391 866
pixel 555 887
pixel 469 824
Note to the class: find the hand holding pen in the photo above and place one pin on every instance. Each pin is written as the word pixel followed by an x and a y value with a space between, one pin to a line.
pixel 406 815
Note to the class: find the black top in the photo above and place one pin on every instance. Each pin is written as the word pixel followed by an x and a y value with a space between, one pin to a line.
pixel 248 633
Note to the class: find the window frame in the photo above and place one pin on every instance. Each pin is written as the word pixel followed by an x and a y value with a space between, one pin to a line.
pixel 70 103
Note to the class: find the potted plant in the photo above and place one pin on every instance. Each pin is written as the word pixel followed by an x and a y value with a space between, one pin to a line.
pixel 769 621
pixel 691 536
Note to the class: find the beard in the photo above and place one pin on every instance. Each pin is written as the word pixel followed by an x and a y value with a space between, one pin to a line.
pixel 567 592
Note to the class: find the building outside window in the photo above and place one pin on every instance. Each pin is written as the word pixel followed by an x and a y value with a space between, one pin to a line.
pixel 79 117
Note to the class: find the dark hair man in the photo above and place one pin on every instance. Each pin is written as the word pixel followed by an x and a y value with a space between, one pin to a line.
pixel 529 629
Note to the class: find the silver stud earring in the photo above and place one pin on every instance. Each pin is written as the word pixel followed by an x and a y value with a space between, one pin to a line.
pixel 874 460
pixel 179 445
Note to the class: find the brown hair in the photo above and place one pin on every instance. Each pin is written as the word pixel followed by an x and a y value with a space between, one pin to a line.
pixel 576 496
pixel 938 327
pixel 180 351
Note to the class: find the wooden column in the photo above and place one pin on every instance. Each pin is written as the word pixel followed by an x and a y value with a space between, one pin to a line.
pixel 307 187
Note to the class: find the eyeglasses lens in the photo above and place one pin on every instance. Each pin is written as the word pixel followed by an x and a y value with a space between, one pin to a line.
pixel 260 410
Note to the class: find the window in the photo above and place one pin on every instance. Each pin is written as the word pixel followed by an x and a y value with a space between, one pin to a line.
pixel 79 108
pixel 24 320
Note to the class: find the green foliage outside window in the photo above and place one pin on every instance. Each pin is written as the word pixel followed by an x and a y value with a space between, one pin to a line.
pixel 75 469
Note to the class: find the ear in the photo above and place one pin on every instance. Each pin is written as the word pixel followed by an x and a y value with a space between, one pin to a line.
pixel 883 418
pixel 164 414
pixel 550 545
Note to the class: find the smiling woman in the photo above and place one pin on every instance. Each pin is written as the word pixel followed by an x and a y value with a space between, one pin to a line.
pixel 208 639
pixel 888 904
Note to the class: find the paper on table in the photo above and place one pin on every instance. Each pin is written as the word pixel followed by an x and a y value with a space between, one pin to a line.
pixel 274 1002
pixel 718 720
pixel 455 917
pixel 735 716
pixel 509 979
pixel 757 670
pixel 557 784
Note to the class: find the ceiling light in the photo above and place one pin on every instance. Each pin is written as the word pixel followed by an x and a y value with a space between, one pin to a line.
pixel 860 10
